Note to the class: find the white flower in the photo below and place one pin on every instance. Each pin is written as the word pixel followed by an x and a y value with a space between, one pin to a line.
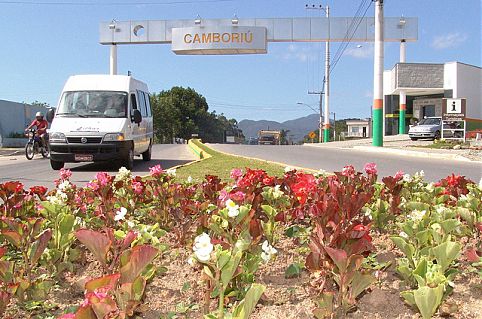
pixel 120 214
pixel 268 251
pixel 202 247
pixel 403 235
pixel 480 183
pixel 289 169
pixel 124 174
pixel 233 209
pixel 189 179
pixel 60 198
pixel 417 214
pixel 171 172
pixel 277 192
pixel 407 178
pixel 65 185
pixel 429 187
pixel 130 224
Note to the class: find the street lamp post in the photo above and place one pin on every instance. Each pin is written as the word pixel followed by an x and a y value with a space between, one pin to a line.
pixel 320 121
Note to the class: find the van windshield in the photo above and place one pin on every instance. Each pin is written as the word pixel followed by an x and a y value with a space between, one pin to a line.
pixel 93 104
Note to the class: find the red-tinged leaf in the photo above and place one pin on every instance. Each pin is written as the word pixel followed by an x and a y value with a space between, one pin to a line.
pixel 472 255
pixel 313 261
pixel 135 261
pixel 38 247
pixel 3 250
pixel 4 301
pixel 104 306
pixel 255 229
pixel 478 225
pixel 96 242
pixel 85 312
pixel 13 237
pixel 109 282
pixel 130 237
pixel 338 256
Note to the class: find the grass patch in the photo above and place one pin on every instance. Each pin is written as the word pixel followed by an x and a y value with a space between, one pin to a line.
pixel 221 165
pixel 443 145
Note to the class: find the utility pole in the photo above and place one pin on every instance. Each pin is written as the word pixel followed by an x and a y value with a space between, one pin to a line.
pixel 326 79
pixel 334 126
pixel 378 77
pixel 320 121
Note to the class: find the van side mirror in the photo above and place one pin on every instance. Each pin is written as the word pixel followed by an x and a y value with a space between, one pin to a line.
pixel 137 117
pixel 50 115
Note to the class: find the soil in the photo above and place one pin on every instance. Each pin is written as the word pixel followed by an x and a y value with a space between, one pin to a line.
pixel 179 291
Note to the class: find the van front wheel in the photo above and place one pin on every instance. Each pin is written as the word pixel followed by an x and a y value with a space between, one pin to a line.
pixel 56 165
pixel 129 160
pixel 146 156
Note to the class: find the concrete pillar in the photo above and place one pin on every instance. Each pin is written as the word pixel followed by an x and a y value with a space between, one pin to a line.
pixel 113 59
pixel 403 96
pixel 326 127
pixel 378 77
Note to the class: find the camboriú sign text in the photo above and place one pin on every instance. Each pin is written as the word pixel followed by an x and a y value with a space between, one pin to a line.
pixel 219 40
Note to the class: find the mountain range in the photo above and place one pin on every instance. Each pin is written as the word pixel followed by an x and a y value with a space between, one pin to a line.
pixel 298 128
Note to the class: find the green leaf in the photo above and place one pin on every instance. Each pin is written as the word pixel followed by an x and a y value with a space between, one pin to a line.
pixel 446 253
pixel 360 282
pixel 406 248
pixel 13 237
pixel 423 237
pixel 67 224
pixel 293 270
pixel 229 269
pixel 408 296
pixel 292 231
pixel 247 305
pixel 449 225
pixel 428 299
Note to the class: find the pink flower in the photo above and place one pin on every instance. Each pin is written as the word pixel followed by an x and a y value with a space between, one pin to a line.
pixel 223 195
pixel 371 168
pixel 348 171
pixel 399 175
pixel 137 187
pixel 156 170
pixel 93 185
pixel 65 173
pixel 103 178
pixel 238 196
pixel 68 316
pixel 236 174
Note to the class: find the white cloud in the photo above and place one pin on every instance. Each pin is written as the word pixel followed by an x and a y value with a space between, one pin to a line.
pixel 449 40
pixel 360 52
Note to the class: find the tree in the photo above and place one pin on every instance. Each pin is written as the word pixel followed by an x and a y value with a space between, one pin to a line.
pixel 181 112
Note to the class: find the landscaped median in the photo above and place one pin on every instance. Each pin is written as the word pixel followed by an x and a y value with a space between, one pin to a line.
pixel 221 164
pixel 253 245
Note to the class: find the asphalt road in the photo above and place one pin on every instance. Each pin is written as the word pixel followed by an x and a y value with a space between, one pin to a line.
pixel 38 171
pixel 333 159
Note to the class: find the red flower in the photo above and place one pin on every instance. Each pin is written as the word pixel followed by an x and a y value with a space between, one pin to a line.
pixel 348 171
pixel 305 184
pixel 268 180
pixel 38 190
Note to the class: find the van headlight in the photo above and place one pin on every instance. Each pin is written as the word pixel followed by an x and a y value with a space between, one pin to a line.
pixel 57 137
pixel 113 137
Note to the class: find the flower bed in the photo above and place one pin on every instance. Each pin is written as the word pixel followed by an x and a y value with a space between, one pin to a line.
pixel 295 246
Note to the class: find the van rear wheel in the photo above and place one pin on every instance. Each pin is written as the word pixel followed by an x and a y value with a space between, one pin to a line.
pixel 146 156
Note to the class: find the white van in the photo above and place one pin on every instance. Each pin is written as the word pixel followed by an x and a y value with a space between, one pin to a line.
pixel 101 118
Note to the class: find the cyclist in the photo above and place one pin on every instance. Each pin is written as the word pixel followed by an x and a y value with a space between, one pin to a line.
pixel 41 125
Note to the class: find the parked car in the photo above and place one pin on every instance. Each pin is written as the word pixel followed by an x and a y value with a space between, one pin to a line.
pixel 429 127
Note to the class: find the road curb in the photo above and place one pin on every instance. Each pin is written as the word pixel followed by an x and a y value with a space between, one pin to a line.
pixel 385 150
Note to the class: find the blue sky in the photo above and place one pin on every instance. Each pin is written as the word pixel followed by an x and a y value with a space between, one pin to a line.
pixel 44 44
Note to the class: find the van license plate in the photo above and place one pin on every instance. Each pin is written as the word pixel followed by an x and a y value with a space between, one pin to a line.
pixel 83 158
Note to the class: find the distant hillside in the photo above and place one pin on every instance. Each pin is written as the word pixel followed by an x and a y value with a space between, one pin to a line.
pixel 298 127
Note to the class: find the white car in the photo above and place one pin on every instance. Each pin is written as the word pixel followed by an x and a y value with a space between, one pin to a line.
pixel 101 118
pixel 429 127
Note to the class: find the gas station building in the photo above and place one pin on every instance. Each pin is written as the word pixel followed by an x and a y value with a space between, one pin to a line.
pixel 425 85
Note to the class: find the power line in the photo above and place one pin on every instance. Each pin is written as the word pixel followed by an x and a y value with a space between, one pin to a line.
pixel 72 3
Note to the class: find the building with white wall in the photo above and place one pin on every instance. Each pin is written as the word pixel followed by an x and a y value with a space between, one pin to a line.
pixel 426 84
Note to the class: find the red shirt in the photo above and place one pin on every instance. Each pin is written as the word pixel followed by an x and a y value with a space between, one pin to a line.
pixel 41 126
